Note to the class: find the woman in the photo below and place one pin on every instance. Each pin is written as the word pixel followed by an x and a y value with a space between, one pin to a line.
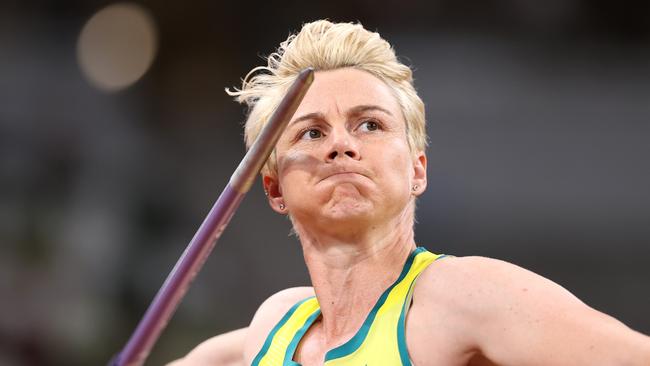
pixel 347 171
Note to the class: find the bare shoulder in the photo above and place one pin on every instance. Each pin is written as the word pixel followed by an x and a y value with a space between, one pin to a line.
pixel 492 308
pixel 239 347
pixel 470 295
pixel 479 286
pixel 484 277
pixel 268 315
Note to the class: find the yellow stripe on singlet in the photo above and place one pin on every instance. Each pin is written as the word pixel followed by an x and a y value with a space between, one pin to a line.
pixel 275 347
pixel 380 340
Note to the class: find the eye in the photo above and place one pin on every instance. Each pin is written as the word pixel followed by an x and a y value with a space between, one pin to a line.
pixel 369 125
pixel 311 134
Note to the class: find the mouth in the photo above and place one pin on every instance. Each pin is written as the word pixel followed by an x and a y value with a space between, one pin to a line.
pixel 344 175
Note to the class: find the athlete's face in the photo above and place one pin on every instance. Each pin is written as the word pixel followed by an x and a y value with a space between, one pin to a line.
pixel 344 156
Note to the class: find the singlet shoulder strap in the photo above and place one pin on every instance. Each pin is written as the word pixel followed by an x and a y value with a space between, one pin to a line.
pixel 380 340
pixel 281 343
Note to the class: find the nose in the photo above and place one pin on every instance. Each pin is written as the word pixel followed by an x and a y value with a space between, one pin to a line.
pixel 342 145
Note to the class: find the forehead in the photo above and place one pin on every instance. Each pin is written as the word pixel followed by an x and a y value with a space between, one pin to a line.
pixel 336 91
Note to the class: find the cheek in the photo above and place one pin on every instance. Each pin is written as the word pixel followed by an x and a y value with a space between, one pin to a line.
pixel 294 160
pixel 294 167
pixel 396 160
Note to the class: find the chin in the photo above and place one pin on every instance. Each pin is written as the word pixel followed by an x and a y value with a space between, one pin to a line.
pixel 348 210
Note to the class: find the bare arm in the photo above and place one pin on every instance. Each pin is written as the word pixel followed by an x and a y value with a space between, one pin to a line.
pixel 223 350
pixel 239 347
pixel 512 316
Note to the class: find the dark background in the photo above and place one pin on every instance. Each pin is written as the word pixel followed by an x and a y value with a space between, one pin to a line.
pixel 538 113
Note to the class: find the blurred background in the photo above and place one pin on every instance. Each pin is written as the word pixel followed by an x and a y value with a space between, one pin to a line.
pixel 116 137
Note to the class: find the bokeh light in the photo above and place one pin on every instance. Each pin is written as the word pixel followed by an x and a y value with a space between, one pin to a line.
pixel 117 46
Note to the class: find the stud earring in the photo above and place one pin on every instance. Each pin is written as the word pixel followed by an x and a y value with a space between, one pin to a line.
pixel 282 206
pixel 266 193
pixel 415 187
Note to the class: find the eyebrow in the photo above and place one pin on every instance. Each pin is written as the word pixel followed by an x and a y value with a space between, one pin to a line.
pixel 368 107
pixel 354 111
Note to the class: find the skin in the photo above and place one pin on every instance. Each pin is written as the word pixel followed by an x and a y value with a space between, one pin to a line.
pixel 349 180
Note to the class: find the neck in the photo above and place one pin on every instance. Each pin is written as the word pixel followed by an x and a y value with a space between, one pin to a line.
pixel 349 273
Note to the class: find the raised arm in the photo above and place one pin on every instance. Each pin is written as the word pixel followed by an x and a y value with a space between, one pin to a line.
pixel 223 350
pixel 512 316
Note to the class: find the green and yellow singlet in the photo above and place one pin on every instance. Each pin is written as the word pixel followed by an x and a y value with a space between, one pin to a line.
pixel 380 340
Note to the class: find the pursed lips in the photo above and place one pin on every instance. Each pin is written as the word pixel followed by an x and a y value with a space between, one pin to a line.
pixel 335 172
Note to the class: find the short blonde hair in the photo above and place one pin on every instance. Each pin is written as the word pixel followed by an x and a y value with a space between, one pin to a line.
pixel 324 45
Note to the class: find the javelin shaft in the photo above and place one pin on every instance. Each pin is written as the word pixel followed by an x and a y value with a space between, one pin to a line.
pixel 189 264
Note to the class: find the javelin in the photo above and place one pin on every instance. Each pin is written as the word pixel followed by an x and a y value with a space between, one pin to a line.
pixel 171 293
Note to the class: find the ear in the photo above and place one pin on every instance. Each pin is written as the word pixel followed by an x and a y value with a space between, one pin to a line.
pixel 419 173
pixel 273 193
